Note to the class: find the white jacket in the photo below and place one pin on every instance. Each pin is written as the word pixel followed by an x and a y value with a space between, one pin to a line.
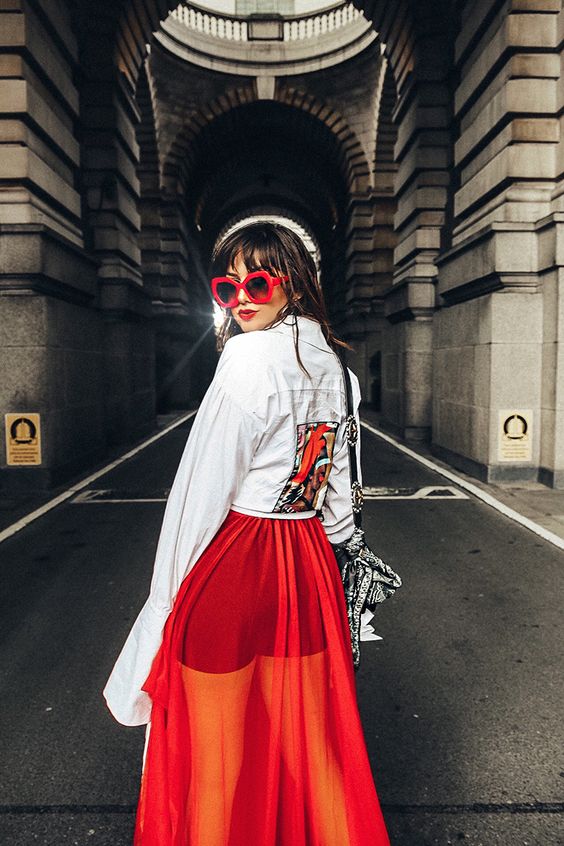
pixel 248 449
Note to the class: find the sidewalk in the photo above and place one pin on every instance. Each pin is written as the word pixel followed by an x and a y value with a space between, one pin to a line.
pixel 530 499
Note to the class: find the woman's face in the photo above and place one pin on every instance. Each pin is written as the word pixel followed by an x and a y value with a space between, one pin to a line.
pixel 248 315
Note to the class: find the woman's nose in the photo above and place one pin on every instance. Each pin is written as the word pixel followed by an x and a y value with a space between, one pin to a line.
pixel 242 296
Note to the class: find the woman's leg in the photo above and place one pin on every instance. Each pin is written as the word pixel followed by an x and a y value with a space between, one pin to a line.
pixel 216 704
pixel 323 772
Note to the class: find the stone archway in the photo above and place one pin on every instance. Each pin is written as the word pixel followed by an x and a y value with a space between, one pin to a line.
pixel 348 156
pixel 110 48
pixel 422 158
pixel 197 179
pixel 440 203
pixel 480 216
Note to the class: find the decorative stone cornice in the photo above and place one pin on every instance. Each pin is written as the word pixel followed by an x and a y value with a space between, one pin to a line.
pixel 266 44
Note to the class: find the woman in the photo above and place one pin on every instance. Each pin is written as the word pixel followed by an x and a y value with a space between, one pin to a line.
pixel 240 660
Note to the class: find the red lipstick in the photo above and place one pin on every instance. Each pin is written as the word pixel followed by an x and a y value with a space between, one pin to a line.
pixel 247 314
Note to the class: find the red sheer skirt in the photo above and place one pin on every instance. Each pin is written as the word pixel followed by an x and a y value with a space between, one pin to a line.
pixel 255 736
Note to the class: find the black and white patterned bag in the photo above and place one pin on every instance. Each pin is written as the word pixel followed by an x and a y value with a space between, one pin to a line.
pixel 367 580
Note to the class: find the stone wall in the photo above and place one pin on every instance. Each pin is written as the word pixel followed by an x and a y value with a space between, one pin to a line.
pixel 50 333
pixel 76 351
pixel 497 332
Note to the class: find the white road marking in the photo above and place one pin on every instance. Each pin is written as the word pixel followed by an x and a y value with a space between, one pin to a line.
pixel 486 497
pixel 100 496
pixel 52 503
pixel 427 492
pixel 447 474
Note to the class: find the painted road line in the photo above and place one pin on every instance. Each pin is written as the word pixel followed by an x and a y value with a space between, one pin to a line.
pixel 447 474
pixel 486 497
pixel 52 503
pixel 427 492
pixel 101 496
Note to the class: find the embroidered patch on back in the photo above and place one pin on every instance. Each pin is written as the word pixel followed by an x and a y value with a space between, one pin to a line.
pixel 306 488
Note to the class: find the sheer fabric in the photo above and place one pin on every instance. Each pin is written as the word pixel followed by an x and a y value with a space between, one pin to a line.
pixel 255 735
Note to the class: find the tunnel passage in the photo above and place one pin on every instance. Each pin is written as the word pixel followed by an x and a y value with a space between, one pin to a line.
pixel 446 213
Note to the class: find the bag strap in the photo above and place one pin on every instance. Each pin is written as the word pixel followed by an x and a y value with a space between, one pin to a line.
pixel 352 434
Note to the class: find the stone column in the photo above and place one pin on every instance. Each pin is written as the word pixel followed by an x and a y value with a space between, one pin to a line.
pixel 110 158
pixel 498 333
pixel 182 312
pixel 423 157
pixel 50 332
pixel 371 242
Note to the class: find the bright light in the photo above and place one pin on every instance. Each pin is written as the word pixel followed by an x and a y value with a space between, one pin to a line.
pixel 218 316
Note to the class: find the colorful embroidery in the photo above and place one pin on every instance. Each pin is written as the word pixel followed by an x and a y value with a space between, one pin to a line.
pixel 306 488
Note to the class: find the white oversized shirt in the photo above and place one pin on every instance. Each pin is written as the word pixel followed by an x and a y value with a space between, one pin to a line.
pixel 266 440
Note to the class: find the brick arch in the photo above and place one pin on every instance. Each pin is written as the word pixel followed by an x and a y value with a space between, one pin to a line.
pixel 282 211
pixel 352 160
pixel 386 130
pixel 396 24
pixel 181 154
pixel 418 38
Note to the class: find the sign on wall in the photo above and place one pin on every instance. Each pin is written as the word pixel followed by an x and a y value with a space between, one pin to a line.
pixel 23 438
pixel 515 435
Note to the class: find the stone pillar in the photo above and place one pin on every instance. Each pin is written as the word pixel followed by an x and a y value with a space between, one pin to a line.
pixel 182 312
pixel 423 157
pixel 370 246
pixel 148 171
pixel 370 243
pixel 50 332
pixel 110 157
pixel 499 331
pixel 551 268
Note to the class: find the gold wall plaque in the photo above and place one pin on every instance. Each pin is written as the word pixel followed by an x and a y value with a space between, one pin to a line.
pixel 23 438
pixel 515 435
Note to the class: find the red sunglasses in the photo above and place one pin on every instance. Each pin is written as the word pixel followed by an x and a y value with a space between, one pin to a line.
pixel 258 286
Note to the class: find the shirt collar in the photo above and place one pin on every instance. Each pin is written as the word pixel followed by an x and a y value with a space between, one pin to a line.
pixel 309 330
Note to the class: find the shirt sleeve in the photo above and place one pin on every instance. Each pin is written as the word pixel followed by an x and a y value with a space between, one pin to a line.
pixel 216 458
pixel 338 520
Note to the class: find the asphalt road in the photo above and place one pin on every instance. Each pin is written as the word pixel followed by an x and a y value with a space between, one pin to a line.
pixel 461 701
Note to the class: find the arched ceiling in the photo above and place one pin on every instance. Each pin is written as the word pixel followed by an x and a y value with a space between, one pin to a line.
pixel 264 153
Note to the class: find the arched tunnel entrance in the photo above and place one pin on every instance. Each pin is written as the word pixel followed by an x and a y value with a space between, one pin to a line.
pixel 132 138
pixel 261 155
pixel 314 148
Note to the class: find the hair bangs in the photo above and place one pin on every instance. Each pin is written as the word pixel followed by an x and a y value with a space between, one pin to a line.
pixel 258 249
pixel 259 253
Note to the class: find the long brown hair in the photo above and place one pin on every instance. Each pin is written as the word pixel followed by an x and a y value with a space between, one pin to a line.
pixel 278 249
